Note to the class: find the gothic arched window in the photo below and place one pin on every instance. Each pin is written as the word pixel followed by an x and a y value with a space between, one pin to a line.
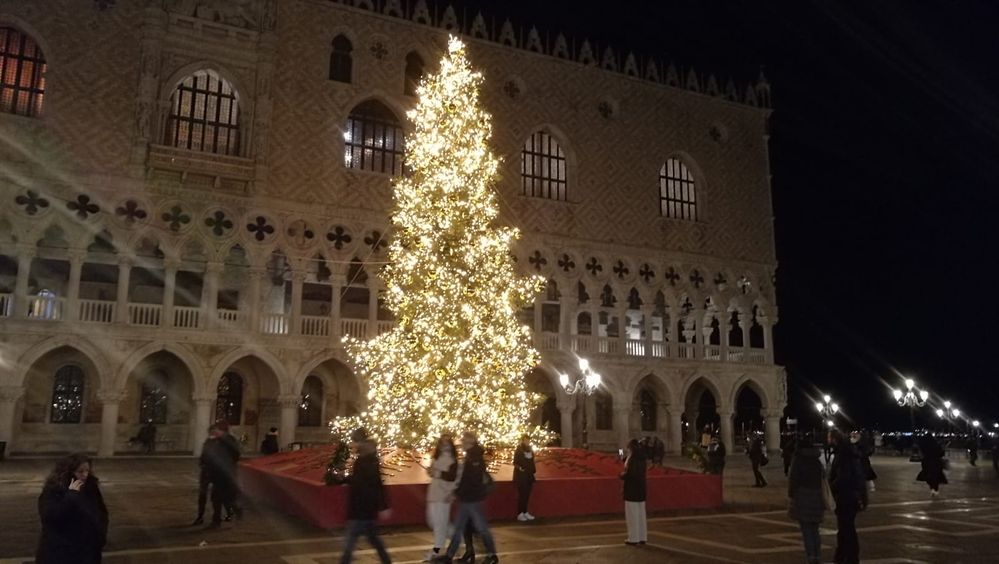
pixel 310 410
pixel 677 191
pixel 153 398
pixel 341 60
pixel 647 410
pixel 373 139
pixel 543 167
pixel 67 395
pixel 204 115
pixel 229 401
pixel 414 73
pixel 22 73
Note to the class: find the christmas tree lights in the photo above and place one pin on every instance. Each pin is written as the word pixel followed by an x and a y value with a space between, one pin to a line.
pixel 457 356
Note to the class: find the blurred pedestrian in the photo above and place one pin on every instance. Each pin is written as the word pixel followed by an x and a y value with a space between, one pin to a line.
pixel 366 498
pixel 219 459
pixel 705 437
pixel 635 494
pixel 846 481
pixel 659 451
pixel 270 443
pixel 443 473
pixel 995 455
pixel 931 464
pixel 757 453
pixel 807 501
pixel 973 446
pixel 73 515
pixel 716 456
pixel 787 451
pixel 474 485
pixel 865 449
pixel 523 476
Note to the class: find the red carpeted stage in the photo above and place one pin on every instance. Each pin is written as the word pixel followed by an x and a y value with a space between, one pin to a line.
pixel 569 482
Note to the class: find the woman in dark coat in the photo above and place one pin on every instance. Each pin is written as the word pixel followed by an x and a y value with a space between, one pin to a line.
pixel 932 471
pixel 523 477
pixel 74 517
pixel 806 502
pixel 634 494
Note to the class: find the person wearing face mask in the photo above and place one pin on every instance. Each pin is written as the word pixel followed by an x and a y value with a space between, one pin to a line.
pixel 443 472
pixel 523 476
pixel 74 517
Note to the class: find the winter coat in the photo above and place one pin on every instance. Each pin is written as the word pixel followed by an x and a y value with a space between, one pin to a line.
pixel 367 496
pixel 716 458
pixel 219 458
pixel 270 444
pixel 634 477
pixel 443 475
pixel 804 486
pixel 846 477
pixel 471 486
pixel 932 464
pixel 74 524
pixel 757 453
pixel 523 465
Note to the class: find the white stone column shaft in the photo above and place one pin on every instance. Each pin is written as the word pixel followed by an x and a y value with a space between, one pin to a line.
pixel 289 417
pixel 72 311
pixel 202 420
pixel 124 282
pixel 110 402
pixel 9 396
pixel 21 291
pixel 727 431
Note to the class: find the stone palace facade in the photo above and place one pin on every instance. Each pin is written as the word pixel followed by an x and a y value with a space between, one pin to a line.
pixel 196 199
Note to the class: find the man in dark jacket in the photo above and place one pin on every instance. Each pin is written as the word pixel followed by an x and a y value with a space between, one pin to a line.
pixel 473 486
pixel 788 445
pixel 270 443
pixel 366 499
pixel 758 457
pixel 849 489
pixel 219 459
pixel 523 477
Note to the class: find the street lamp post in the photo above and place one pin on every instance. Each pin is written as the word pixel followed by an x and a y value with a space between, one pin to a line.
pixel 912 398
pixel 587 383
pixel 828 409
pixel 949 413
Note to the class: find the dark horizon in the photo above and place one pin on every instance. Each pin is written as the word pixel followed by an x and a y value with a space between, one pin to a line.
pixel 884 123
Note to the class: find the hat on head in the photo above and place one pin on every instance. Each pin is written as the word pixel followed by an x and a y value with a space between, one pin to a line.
pixel 359 435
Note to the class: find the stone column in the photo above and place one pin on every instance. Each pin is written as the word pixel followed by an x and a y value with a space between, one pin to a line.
pixel 170 268
pixel 9 396
pixel 647 311
pixel 124 281
pixel 253 303
pixel 622 327
pixel 297 283
pixel 727 432
pixel 675 445
pixel 202 420
pixel 724 326
pixel 772 429
pixel 72 312
pixel 745 322
pixel 566 407
pixel 373 286
pixel 768 346
pixel 337 282
pixel 622 422
pixel 21 298
pixel 289 416
pixel 210 294
pixel 566 308
pixel 110 400
pixel 538 322
pixel 698 327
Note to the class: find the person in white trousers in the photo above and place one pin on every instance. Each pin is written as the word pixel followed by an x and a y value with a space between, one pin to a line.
pixel 443 472
pixel 634 494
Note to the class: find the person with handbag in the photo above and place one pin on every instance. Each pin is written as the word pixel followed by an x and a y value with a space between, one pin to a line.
pixel 808 496
pixel 523 476
pixel 473 486
pixel 758 458
pixel 634 494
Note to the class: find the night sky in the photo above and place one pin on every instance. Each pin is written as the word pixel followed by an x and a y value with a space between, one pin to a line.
pixel 885 155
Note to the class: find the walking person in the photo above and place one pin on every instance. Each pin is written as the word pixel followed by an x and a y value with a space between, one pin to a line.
pixel 634 494
pixel 366 498
pixel 443 472
pixel 219 459
pixel 73 515
pixel 932 464
pixel 787 451
pixel 473 486
pixel 864 451
pixel 757 453
pixel 995 455
pixel 973 446
pixel 807 503
pixel 716 456
pixel 523 476
pixel 270 443
pixel 846 480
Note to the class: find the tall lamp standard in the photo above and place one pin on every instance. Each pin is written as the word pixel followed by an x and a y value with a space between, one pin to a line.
pixel 828 409
pixel 949 413
pixel 587 383
pixel 912 398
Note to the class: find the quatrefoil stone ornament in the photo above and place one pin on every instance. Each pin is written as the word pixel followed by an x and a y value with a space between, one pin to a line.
pixel 376 240
pixel 537 260
pixel 339 236
pixel 218 223
pixel 300 233
pixel 620 269
pixel 672 276
pixel 32 202
pixel 176 218
pixel 696 279
pixel 130 212
pixel 594 266
pixel 566 263
pixel 646 272
pixel 82 206
pixel 260 228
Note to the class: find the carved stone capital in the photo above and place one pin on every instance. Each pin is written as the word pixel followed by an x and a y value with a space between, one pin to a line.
pixel 289 400
pixel 111 396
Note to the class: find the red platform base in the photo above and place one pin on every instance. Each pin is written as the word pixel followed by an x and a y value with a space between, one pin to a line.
pixel 570 482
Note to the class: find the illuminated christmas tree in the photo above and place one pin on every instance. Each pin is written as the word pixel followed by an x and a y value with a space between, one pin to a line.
pixel 457 356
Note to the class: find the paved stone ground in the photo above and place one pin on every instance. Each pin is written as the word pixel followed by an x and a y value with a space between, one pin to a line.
pixel 152 501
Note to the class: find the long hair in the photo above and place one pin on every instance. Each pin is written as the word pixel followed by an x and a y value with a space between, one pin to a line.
pixel 448 441
pixel 62 475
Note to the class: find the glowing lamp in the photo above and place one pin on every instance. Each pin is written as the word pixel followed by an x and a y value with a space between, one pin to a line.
pixel 835 408
pixel 897 393
pixel 819 407
pixel 827 398
pixel 563 379
pixel 975 423
pixel 940 413
pixel 910 383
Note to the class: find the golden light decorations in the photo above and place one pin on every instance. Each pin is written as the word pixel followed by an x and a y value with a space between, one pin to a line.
pixel 457 356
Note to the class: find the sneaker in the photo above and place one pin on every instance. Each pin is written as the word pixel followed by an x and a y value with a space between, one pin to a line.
pixel 529 516
pixel 522 517
pixel 431 556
